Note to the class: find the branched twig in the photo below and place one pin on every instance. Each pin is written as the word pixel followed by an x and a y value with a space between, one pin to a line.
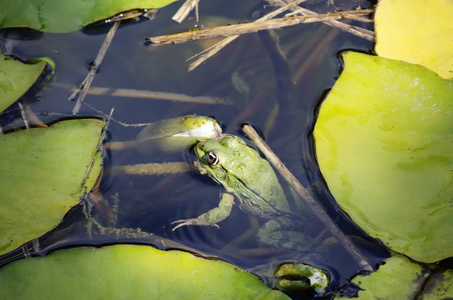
pixel 204 55
pixel 316 208
pixel 238 29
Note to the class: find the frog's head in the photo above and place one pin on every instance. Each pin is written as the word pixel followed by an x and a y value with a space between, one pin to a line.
pixel 225 159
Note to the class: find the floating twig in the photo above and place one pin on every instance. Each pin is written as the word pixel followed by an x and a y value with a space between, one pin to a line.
pixel 211 51
pixel 358 31
pixel 86 83
pixel 243 28
pixel 315 207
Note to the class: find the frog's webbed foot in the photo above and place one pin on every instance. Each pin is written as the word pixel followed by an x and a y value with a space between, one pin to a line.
pixel 193 221
pixel 301 278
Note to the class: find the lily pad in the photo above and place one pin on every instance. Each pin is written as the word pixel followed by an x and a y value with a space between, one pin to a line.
pixel 129 272
pixel 66 16
pixel 16 78
pixel 398 278
pixel 384 142
pixel 416 31
pixel 440 286
pixel 42 172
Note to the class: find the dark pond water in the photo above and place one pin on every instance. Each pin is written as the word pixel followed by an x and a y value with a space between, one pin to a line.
pixel 151 203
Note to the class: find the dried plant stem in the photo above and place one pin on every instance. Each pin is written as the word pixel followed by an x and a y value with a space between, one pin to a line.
pixel 184 10
pixel 358 31
pixel 316 208
pixel 238 29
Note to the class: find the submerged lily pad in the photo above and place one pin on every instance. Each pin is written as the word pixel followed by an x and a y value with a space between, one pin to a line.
pixel 175 135
pixel 416 31
pixel 384 141
pixel 66 16
pixel 42 172
pixel 16 78
pixel 129 272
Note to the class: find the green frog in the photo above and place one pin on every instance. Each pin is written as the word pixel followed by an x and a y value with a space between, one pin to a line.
pixel 246 175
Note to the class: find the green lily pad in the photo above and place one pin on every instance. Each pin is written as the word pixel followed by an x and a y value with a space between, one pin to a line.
pixel 440 286
pixel 42 172
pixel 398 278
pixel 416 31
pixel 66 16
pixel 384 141
pixel 16 78
pixel 129 272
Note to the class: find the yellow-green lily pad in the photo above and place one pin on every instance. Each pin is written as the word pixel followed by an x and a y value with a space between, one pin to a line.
pixel 16 78
pixel 42 172
pixel 129 272
pixel 398 278
pixel 417 31
pixel 384 142
pixel 66 16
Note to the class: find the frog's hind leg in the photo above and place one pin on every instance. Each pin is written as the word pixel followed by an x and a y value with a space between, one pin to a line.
pixel 285 233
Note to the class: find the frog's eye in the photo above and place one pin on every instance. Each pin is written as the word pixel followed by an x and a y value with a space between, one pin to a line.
pixel 212 158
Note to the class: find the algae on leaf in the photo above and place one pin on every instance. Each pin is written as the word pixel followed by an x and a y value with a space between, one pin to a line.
pixel 42 170
pixel 66 16
pixel 384 142
pixel 16 78
pixel 417 31
pixel 129 272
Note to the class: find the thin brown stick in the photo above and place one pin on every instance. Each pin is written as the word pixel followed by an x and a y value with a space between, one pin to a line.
pixel 316 208
pixel 238 29
pixel 85 85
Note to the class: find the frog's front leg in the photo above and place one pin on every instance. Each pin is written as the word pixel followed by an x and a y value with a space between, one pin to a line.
pixel 212 217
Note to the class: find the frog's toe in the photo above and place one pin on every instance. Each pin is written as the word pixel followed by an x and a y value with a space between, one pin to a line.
pixel 183 222
pixel 301 278
pixel 195 221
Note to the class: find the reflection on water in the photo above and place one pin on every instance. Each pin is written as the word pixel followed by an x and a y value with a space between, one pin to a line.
pixel 244 73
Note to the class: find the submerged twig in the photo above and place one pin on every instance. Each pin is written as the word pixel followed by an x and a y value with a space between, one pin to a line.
pixel 86 83
pixel 315 207
pixel 130 93
pixel 153 168
pixel 238 29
